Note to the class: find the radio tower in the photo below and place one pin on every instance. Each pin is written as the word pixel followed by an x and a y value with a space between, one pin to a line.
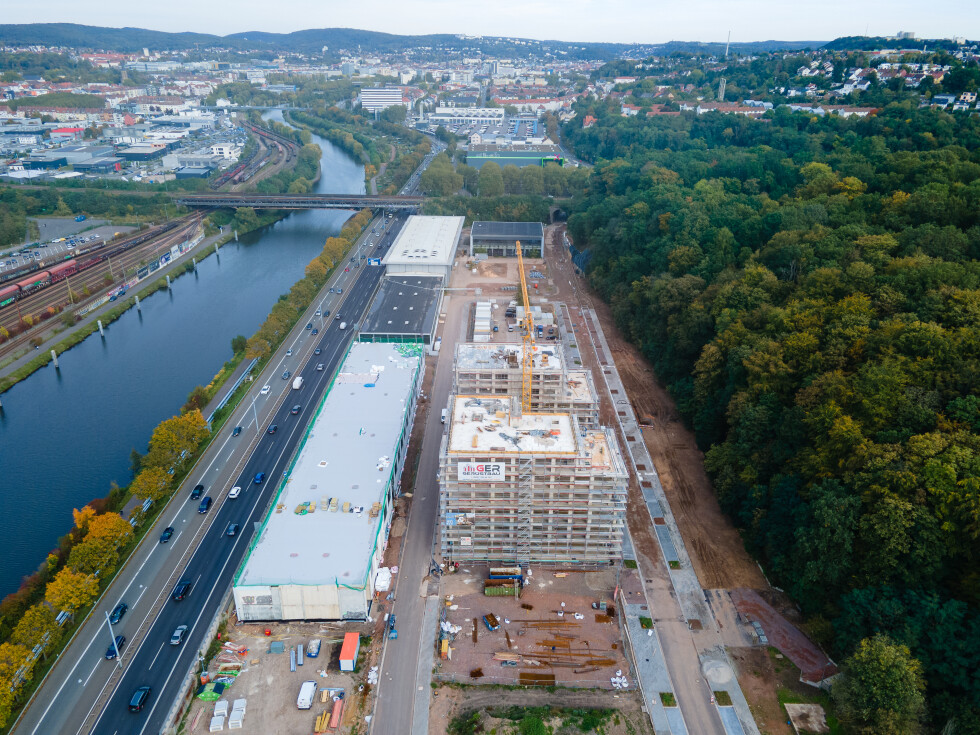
pixel 728 43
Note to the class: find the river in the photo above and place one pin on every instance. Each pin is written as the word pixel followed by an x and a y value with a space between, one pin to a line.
pixel 66 434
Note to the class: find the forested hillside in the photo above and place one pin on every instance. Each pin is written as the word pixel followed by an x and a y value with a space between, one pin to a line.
pixel 809 290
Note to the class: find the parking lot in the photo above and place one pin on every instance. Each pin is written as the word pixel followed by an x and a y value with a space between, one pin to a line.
pixel 49 252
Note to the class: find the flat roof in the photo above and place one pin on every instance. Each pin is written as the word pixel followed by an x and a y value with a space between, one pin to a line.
pixel 346 454
pixel 507 230
pixel 480 355
pixel 426 240
pixel 515 147
pixel 487 425
pixel 404 305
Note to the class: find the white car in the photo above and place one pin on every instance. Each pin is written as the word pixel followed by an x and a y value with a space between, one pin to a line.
pixel 289 352
pixel 265 390
pixel 234 492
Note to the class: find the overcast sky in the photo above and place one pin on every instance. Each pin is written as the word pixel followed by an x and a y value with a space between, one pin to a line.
pixel 644 21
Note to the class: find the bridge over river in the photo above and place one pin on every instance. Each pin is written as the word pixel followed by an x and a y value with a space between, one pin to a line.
pixel 301 201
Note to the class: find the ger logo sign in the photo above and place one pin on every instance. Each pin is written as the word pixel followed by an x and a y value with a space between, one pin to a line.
pixel 480 471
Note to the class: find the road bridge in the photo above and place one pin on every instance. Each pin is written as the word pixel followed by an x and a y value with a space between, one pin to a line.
pixel 300 201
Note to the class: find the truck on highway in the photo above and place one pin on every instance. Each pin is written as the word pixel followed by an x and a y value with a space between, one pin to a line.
pixel 298 382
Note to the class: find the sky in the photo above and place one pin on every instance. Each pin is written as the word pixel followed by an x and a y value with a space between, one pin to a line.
pixel 624 21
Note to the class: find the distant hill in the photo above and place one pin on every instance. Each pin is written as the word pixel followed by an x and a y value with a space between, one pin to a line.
pixel 352 39
pixel 874 43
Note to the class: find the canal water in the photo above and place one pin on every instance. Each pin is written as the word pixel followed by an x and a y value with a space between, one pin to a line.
pixel 66 435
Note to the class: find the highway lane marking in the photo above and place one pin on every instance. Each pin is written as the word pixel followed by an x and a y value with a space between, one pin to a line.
pixel 155 657
pixel 85 684
pixel 145 588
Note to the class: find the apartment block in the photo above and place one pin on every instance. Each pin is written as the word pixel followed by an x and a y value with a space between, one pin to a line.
pixel 528 488
pixel 495 370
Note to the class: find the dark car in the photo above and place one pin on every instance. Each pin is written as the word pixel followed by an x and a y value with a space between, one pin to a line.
pixel 232 529
pixel 273 429
pixel 286 374
pixel 296 409
pixel 117 612
pixel 309 325
pixel 197 492
pixel 259 478
pixel 205 505
pixel 117 645
pixel 315 330
pixel 181 591
pixel 237 431
pixel 168 533
pixel 316 351
pixel 139 699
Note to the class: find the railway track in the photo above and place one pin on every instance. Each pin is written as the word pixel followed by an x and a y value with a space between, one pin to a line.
pixel 118 267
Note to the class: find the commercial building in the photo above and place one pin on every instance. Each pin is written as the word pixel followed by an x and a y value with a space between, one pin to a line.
pixel 495 370
pixel 528 488
pixel 380 98
pixel 500 239
pixel 519 154
pixel 425 246
pixel 467 116
pixel 321 543
pixel 405 309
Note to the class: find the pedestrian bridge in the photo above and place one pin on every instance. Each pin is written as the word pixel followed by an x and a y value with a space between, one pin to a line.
pixel 300 201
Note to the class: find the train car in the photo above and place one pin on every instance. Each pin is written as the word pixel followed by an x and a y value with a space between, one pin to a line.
pixel 60 272
pixel 35 283
pixel 8 295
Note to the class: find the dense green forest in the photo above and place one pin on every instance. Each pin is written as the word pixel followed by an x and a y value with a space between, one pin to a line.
pixel 809 290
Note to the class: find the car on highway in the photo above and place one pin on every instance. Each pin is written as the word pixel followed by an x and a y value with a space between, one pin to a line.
pixel 234 492
pixel 117 612
pixel 177 637
pixel 197 492
pixel 286 374
pixel 309 325
pixel 259 478
pixel 316 351
pixel 181 591
pixel 237 431
pixel 337 318
pixel 319 366
pixel 168 533
pixel 265 390
pixel 116 645
pixel 273 429
pixel 205 505
pixel 289 352
pixel 232 529
pixel 316 331
pixel 316 313
pixel 296 409
pixel 139 699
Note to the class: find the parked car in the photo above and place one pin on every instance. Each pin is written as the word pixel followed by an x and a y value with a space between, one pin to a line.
pixel 117 612
pixel 177 637
pixel 167 534
pixel 115 647
pixel 139 699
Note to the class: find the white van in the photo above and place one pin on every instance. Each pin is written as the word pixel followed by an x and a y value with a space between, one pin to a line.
pixel 444 411
pixel 343 325
pixel 306 694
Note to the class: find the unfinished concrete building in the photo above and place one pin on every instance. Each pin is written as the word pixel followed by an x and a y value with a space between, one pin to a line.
pixel 528 488
pixel 495 370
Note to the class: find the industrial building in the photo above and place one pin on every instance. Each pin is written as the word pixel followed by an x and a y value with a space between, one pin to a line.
pixel 425 246
pixel 518 154
pixel 405 309
pixel 467 116
pixel 501 238
pixel 322 541
pixel 380 98
pixel 495 370
pixel 528 488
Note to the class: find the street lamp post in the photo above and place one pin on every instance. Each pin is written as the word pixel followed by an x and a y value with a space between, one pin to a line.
pixel 256 415
pixel 112 635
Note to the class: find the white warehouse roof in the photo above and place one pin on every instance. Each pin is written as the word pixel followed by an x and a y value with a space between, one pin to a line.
pixel 425 242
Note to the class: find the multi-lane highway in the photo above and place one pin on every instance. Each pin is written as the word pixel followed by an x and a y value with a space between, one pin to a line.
pixel 85 692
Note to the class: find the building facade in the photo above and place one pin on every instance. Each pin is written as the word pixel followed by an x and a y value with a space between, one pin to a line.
pixel 380 98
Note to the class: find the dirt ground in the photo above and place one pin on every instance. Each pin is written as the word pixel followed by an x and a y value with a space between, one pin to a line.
pixel 450 701
pixel 595 637
pixel 270 688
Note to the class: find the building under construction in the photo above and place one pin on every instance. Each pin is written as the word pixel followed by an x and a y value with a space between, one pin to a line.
pixel 496 370
pixel 528 487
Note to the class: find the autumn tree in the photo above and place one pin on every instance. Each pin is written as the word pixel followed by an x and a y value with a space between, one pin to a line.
pixel 37 626
pixel 71 591
pixel 175 439
pixel 153 483
pixel 12 659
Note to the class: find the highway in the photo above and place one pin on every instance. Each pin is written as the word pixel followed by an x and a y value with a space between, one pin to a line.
pixel 84 692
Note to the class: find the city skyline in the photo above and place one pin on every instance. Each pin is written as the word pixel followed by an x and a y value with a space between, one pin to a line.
pixel 569 21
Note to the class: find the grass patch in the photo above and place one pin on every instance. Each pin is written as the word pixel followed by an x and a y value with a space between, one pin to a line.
pixel 667 699
pixel 629 563
pixel 646 623
pixel 723 698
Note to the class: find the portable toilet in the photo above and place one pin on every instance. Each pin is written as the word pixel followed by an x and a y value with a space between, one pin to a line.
pixel 348 652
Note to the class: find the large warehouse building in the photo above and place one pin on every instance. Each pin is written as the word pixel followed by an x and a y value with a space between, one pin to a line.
pixel 425 246
pixel 321 544
pixel 519 154
pixel 405 309
pixel 500 239
pixel 528 488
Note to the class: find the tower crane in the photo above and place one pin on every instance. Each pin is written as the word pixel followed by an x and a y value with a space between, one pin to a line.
pixel 527 353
